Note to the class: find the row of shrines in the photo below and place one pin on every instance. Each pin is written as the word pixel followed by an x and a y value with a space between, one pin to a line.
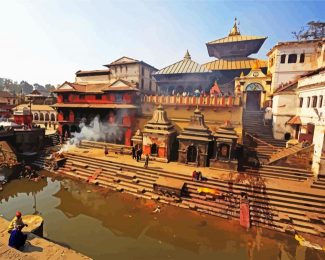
pixel 195 145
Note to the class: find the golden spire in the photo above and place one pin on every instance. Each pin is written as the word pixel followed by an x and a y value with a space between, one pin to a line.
pixel 234 31
pixel 242 74
pixel 187 55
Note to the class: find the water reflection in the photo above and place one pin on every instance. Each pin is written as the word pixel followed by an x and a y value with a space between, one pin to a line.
pixel 106 225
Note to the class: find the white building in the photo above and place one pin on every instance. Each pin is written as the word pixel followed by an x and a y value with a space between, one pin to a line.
pixel 41 113
pixel 131 70
pixel 287 60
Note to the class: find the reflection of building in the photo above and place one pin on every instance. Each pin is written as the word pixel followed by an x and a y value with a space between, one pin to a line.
pixel 255 88
pixel 41 113
pixel 195 142
pixel 159 136
pixel 287 60
pixel 225 144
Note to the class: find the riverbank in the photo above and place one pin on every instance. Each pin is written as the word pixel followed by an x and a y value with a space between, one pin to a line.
pixel 35 248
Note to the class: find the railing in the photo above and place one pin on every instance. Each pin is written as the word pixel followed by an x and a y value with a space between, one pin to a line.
pixel 203 100
pixel 261 141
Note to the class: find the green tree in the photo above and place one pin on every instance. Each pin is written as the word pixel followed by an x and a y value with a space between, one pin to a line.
pixel 313 30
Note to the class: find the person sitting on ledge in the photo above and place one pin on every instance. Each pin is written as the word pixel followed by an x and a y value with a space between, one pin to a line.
pixel 15 222
pixel 17 238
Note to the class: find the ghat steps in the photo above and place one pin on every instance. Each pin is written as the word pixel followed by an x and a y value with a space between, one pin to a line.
pixel 270 207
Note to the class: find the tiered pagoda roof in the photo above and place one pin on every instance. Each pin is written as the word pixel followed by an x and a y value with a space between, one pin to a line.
pixel 226 132
pixel 159 123
pixel 186 65
pixel 197 129
pixel 235 45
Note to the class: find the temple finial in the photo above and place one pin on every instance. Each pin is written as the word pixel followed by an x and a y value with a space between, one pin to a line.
pixel 187 55
pixel 256 65
pixel 234 31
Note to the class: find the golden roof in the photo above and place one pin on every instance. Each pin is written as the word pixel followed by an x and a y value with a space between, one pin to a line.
pixel 236 38
pixel 234 64
pixel 186 65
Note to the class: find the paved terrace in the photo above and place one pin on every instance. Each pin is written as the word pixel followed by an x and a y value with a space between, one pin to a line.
pixel 219 174
pixel 36 248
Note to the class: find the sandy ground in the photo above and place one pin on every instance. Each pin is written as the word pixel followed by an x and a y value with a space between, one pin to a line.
pixel 35 248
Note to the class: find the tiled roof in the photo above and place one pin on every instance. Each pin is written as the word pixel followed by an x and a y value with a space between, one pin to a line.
pixel 236 38
pixel 233 64
pixel 120 84
pixel 34 107
pixel 186 65
pixel 5 94
pixel 294 121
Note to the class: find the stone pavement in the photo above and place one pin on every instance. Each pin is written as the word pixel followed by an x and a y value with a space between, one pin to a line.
pixel 35 248
pixel 221 174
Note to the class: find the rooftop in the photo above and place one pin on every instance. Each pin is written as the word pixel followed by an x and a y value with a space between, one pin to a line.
pixel 186 65
pixel 233 64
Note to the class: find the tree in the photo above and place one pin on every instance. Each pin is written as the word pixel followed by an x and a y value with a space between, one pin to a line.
pixel 313 30
pixel 49 87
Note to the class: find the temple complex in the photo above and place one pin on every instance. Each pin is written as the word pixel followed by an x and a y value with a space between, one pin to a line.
pixel 195 142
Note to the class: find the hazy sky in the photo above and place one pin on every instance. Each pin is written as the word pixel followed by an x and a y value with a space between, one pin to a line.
pixel 48 41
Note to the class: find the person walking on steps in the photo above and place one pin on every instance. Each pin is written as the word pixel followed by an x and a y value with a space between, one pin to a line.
pixel 146 161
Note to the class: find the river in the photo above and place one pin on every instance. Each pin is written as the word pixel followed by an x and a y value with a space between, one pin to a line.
pixel 110 225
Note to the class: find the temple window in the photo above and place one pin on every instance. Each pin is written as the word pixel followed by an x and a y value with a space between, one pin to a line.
pixel 142 83
pixel 320 101
pixel 65 97
pixel 308 102
pixel 82 97
pixel 283 58
pixel 150 85
pixel 142 71
pixel 98 97
pixel 302 58
pixel 119 98
pixel 301 101
pixel 314 101
pixel 292 58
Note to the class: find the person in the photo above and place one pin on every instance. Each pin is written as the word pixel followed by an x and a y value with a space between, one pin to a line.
pixel 106 150
pixel 17 238
pixel 199 176
pixel 16 221
pixel 194 175
pixel 157 210
pixel 140 153
pixel 133 153
pixel 146 161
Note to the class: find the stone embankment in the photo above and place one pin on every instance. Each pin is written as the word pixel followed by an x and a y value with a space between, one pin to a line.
pixel 35 248
pixel 280 198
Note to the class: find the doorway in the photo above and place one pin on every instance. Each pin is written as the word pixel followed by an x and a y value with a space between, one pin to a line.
pixel 253 100
pixel 191 153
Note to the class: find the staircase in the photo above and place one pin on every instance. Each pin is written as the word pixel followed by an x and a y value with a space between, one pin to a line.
pixel 287 152
pixel 279 209
pixel 261 134
pixel 54 139
pixel 319 183
pixel 118 148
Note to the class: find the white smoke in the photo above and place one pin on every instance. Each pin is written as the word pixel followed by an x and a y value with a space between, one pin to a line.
pixel 96 131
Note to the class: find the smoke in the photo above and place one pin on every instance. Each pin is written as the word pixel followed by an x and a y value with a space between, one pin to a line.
pixel 98 131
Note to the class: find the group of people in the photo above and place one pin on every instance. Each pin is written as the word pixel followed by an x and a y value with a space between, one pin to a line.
pixel 17 238
pixel 137 153
pixel 28 172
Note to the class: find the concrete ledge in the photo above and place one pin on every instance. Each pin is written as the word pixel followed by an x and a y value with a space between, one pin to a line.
pixel 35 248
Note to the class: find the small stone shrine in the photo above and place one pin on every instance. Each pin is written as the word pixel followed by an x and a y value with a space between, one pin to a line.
pixel 224 147
pixel 159 136
pixel 195 142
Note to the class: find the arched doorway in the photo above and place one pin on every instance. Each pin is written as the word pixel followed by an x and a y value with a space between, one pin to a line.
pixel 47 117
pixel 154 149
pixel 191 153
pixel 52 117
pixel 36 117
pixel 65 130
pixel 253 96
pixel 41 117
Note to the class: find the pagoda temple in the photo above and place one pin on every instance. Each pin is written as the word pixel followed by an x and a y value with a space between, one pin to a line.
pixel 159 136
pixel 185 75
pixel 224 147
pixel 232 56
pixel 195 141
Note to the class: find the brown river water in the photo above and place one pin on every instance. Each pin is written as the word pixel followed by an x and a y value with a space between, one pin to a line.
pixel 110 225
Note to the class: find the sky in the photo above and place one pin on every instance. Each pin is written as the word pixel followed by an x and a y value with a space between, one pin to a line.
pixel 48 41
